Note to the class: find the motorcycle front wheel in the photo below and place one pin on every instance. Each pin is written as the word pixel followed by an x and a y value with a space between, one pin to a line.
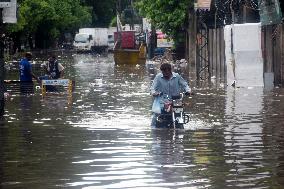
pixel 178 125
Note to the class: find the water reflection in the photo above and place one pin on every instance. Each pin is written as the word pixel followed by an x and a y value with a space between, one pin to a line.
pixel 272 137
pixel 243 141
pixel 101 138
pixel 110 94
pixel 169 155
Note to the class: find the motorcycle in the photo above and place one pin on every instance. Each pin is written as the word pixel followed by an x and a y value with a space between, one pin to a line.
pixel 172 113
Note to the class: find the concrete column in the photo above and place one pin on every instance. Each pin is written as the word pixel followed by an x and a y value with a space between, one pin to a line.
pixel 1 66
pixel 192 37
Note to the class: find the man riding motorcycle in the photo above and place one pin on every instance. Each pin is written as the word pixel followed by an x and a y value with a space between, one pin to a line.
pixel 167 85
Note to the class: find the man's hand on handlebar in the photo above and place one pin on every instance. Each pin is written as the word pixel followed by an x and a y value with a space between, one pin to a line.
pixel 187 93
pixel 156 94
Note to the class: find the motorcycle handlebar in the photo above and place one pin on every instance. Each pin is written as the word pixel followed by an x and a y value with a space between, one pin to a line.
pixel 177 96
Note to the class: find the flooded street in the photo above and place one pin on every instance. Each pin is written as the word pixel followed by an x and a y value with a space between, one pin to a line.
pixel 101 137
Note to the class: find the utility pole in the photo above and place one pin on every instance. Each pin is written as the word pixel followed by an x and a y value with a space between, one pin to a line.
pixel 232 42
pixel 153 42
pixel 8 14
pixel 2 100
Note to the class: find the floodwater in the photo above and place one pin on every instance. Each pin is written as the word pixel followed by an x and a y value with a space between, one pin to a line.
pixel 101 136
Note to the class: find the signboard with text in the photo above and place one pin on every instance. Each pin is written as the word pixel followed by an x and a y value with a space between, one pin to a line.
pixel 163 40
pixel 63 82
pixel 5 3
pixel 10 13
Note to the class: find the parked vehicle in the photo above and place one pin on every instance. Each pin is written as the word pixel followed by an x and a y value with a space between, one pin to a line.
pixel 126 50
pixel 172 114
pixel 91 39
pixel 163 43
pixel 111 31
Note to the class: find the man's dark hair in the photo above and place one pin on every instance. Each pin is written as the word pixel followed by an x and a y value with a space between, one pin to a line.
pixel 52 56
pixel 166 66
pixel 28 54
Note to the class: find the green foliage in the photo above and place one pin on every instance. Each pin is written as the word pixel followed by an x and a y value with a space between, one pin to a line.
pixel 113 22
pixel 46 21
pixel 51 17
pixel 130 16
pixel 168 15
pixel 102 12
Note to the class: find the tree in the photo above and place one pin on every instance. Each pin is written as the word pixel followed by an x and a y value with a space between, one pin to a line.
pixel 44 20
pixel 170 16
pixel 104 12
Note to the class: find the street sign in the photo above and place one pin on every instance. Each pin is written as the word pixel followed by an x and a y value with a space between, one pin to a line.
pixel 57 82
pixel 10 13
pixel 5 3
pixel 63 82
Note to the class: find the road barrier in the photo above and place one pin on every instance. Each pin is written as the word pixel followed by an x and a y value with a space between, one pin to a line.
pixel 67 83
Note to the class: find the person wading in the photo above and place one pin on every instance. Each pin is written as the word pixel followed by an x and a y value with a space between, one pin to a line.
pixel 168 84
pixel 26 74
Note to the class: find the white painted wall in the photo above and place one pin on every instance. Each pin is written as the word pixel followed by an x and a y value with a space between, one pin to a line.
pixel 247 54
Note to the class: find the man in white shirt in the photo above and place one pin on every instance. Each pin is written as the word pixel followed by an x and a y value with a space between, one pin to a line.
pixel 166 85
pixel 169 83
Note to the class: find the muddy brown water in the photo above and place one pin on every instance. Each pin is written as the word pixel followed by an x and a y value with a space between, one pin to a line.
pixel 101 137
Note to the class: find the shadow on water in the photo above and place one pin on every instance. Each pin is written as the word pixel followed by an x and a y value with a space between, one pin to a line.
pixel 101 137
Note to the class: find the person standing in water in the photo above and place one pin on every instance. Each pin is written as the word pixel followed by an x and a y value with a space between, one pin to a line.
pixel 26 74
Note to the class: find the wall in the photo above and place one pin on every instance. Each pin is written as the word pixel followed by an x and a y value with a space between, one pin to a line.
pixel 273 51
pixel 244 63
